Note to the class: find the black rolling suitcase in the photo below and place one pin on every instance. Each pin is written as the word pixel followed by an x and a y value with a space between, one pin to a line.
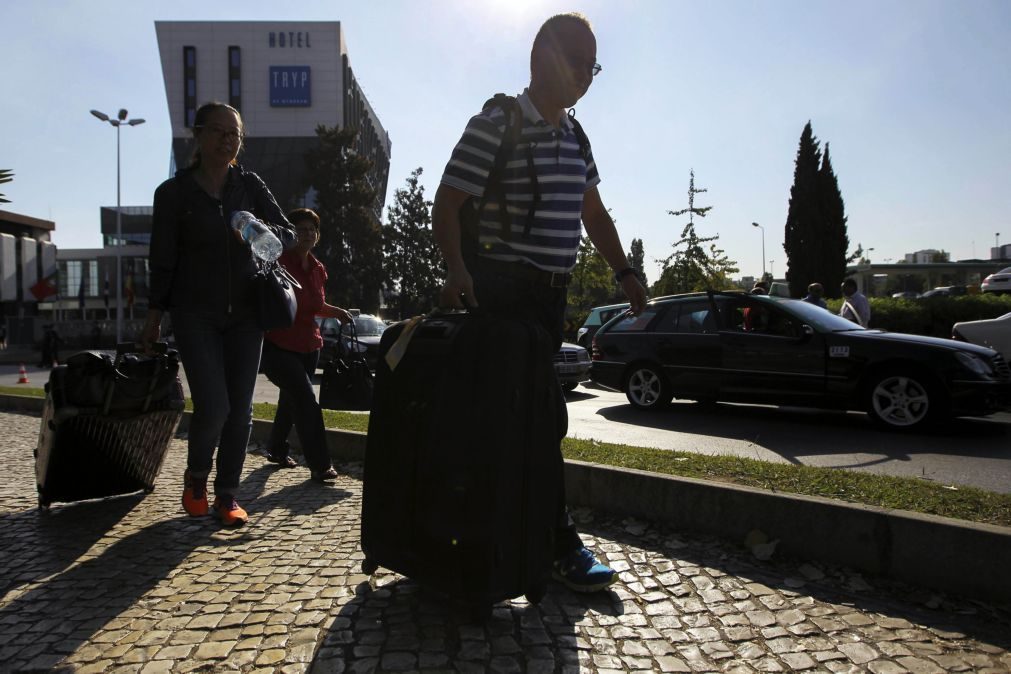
pixel 462 467
pixel 107 423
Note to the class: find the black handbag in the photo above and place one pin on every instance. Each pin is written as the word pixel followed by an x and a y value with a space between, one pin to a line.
pixel 347 381
pixel 275 296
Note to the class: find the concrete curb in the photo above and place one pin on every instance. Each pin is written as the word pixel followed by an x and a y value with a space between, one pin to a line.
pixel 946 554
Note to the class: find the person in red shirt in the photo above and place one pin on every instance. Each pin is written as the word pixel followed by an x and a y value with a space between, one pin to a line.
pixel 290 355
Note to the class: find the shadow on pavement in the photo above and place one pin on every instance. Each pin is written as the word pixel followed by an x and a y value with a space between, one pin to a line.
pixel 88 563
pixel 402 625
pixel 37 544
pixel 787 431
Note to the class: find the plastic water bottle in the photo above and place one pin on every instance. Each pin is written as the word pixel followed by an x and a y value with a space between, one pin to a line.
pixel 264 243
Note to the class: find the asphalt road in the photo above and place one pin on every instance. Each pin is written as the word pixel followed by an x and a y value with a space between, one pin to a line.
pixel 966 451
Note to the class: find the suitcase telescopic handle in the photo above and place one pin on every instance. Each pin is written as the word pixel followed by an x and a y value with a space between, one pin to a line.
pixel 123 348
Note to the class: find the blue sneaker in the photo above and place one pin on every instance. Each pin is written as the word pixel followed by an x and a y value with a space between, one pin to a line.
pixel 582 572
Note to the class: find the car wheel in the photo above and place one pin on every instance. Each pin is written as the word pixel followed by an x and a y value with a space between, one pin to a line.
pixel 903 401
pixel 569 387
pixel 647 388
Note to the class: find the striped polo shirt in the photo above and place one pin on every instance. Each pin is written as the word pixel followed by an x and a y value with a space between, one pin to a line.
pixel 562 178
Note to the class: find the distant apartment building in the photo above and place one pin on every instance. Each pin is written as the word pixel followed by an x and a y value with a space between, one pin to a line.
pixel 927 256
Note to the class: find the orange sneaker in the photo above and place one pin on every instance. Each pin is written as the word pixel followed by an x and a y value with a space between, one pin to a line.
pixel 194 495
pixel 229 512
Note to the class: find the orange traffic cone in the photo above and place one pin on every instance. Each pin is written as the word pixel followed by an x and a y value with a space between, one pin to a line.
pixel 24 375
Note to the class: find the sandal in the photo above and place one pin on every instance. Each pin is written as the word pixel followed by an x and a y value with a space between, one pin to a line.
pixel 284 461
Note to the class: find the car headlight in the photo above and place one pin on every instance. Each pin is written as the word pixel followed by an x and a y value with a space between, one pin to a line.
pixel 974 363
pixel 583 355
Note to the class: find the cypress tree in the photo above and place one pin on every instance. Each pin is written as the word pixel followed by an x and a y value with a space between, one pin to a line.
pixel 802 240
pixel 835 241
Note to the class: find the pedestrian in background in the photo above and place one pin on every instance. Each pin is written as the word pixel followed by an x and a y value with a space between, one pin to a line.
pixel 290 355
pixel 814 295
pixel 202 273
pixel 855 306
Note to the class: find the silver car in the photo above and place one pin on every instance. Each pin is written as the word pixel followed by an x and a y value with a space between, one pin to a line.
pixel 572 365
pixel 994 333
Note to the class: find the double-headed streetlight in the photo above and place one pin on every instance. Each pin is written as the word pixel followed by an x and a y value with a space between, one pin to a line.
pixel 118 122
pixel 755 224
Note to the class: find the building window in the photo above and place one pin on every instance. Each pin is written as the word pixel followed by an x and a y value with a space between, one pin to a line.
pixel 235 78
pixel 189 85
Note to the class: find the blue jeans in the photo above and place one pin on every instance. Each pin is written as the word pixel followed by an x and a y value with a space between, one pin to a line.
pixel 292 373
pixel 221 356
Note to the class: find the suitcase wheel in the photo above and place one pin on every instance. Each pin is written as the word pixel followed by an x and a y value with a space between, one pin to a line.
pixel 536 593
pixel 369 566
pixel 479 613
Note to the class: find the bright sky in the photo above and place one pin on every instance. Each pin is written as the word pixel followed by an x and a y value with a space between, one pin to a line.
pixel 913 96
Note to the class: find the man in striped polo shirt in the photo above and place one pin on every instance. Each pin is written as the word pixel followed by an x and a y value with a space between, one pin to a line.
pixel 520 262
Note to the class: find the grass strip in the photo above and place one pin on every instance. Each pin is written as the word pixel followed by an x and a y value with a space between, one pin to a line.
pixel 901 493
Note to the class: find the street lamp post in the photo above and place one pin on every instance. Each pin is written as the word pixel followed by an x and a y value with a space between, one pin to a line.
pixel 118 122
pixel 755 224
pixel 772 267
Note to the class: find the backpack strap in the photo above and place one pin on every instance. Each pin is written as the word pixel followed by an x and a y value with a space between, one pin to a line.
pixel 584 142
pixel 510 138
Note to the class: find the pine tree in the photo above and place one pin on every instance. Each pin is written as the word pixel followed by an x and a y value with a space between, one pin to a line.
pixel 803 239
pixel 409 251
pixel 350 244
pixel 834 240
pixel 694 267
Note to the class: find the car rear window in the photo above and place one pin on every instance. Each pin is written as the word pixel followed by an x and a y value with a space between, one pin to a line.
pixel 688 317
pixel 631 323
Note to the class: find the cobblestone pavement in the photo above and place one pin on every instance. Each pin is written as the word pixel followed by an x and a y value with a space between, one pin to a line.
pixel 130 584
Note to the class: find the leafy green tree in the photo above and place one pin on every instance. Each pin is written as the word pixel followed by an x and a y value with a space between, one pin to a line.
pixel 350 237
pixel 815 240
pixel 409 251
pixel 697 263
pixel 637 259
pixel 592 283
pixel 6 175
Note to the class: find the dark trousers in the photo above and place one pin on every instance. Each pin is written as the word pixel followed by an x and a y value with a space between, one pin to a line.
pixel 508 296
pixel 297 405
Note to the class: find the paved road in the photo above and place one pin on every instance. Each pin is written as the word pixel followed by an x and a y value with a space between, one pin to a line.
pixel 131 584
pixel 974 452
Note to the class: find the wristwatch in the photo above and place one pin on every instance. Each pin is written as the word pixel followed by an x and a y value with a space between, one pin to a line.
pixel 621 274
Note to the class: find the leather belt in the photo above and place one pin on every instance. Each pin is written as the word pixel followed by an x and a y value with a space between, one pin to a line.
pixel 527 272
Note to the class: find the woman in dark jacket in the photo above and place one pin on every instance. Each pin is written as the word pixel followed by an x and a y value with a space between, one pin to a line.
pixel 201 272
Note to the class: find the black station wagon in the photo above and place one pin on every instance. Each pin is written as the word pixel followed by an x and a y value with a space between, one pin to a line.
pixel 733 347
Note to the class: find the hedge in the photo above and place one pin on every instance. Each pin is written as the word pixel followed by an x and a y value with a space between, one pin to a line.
pixel 932 316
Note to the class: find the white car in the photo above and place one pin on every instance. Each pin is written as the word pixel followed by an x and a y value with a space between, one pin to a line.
pixel 997 283
pixel 994 333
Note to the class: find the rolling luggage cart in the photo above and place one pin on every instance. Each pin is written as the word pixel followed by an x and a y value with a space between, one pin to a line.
pixel 107 423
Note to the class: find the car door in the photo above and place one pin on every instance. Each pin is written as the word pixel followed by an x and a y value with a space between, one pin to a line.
pixel 688 346
pixel 767 353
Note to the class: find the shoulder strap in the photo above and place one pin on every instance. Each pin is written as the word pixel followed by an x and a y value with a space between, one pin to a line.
pixel 510 138
pixel 584 142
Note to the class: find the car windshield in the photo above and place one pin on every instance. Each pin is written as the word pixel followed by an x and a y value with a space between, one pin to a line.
pixel 822 319
pixel 367 326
